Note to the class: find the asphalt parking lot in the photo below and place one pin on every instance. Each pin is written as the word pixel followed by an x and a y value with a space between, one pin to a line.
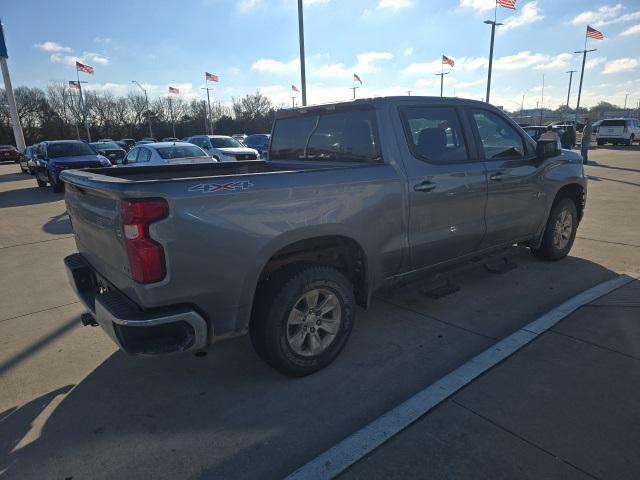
pixel 72 406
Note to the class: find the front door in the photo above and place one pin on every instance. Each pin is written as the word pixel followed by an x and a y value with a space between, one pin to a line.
pixel 516 202
pixel 447 185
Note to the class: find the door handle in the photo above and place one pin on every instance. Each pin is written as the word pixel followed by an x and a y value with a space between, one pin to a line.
pixel 496 177
pixel 424 186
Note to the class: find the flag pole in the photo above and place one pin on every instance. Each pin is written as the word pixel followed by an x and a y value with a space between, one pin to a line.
pixel 303 75
pixel 584 61
pixel 83 105
pixel 441 75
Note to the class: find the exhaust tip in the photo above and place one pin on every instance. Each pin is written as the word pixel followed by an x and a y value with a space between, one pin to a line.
pixel 88 320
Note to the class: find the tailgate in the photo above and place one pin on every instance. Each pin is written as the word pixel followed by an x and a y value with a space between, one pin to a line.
pixel 95 218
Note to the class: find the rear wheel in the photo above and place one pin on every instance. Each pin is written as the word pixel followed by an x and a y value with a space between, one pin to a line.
pixel 560 231
pixel 303 320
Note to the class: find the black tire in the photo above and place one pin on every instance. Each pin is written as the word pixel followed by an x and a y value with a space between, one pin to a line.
pixel 56 187
pixel 41 183
pixel 268 329
pixel 630 141
pixel 549 249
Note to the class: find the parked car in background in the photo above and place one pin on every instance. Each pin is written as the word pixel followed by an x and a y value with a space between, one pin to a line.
pixel 535 131
pixel 356 196
pixel 170 139
pixel 144 141
pixel 223 148
pixel 9 153
pixel 241 137
pixel 55 156
pixel 259 142
pixel 165 153
pixel 111 150
pixel 127 143
pixel 618 130
pixel 105 140
pixel 27 159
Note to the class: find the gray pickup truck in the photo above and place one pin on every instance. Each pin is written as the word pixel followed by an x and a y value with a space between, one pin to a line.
pixel 355 196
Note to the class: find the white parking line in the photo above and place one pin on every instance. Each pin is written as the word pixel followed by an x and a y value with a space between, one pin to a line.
pixel 338 458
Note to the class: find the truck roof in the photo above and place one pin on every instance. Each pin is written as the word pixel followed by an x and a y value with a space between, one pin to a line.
pixel 378 101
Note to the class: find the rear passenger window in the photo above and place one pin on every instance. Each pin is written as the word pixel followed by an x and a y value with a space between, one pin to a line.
pixel 435 134
pixel 334 136
pixel 132 156
pixel 144 155
pixel 499 139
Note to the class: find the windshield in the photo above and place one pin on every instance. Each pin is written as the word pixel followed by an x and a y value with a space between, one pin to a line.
pixel 225 142
pixel 180 151
pixel 69 149
pixel 103 145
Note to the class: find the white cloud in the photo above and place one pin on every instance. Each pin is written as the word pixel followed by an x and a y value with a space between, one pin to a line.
pixel 87 57
pixel 115 88
pixel 594 62
pixel 479 5
pixel 520 60
pixel 559 61
pixel 275 66
pixel 367 63
pixel 408 51
pixel 635 30
pixel 621 65
pixel 395 5
pixel 435 66
pixel 247 5
pixel 530 13
pixel 103 40
pixel 52 47
pixel 606 15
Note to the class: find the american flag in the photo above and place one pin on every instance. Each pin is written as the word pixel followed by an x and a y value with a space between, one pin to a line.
pixel 81 67
pixel 294 89
pixel 507 4
pixel 593 33
pixel 356 78
pixel 447 61
pixel 174 90
pixel 74 84
pixel 211 77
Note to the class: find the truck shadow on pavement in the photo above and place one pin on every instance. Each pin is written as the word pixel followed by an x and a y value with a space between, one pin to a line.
pixel 58 225
pixel 15 177
pixel 228 415
pixel 28 196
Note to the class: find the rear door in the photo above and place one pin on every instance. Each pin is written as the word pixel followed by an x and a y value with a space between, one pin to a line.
pixel 516 201
pixel 446 182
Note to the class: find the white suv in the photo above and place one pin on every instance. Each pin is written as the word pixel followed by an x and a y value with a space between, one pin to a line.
pixel 618 130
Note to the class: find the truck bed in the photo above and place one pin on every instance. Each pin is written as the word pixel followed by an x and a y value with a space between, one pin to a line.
pixel 197 170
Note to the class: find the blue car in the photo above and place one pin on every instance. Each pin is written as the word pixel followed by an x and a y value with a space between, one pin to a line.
pixel 54 156
pixel 259 142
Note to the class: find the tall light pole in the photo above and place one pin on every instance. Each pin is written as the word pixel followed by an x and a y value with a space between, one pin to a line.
pixel 570 72
pixel 542 100
pixel 303 75
pixel 441 75
pixel 11 100
pixel 493 24
pixel 584 61
pixel 148 109
pixel 522 104
pixel 626 96
pixel 209 128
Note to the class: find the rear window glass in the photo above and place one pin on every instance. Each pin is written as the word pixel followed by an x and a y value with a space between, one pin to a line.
pixel 181 151
pixel 225 142
pixel 69 149
pixel 613 123
pixel 332 136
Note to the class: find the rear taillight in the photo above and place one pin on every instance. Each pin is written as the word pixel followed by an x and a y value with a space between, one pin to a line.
pixel 146 256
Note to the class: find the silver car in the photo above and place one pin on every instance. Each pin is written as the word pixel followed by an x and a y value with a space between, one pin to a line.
pixel 165 153
pixel 223 148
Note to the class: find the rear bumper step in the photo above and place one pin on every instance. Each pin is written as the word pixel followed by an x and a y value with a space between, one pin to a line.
pixel 136 331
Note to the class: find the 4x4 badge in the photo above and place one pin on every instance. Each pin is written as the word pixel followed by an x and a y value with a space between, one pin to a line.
pixel 221 187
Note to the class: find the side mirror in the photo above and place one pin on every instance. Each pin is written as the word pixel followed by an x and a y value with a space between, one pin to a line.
pixel 547 149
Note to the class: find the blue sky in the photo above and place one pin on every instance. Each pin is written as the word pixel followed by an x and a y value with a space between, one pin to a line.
pixel 393 45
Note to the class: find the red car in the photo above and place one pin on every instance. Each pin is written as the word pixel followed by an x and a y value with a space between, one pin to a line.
pixel 10 153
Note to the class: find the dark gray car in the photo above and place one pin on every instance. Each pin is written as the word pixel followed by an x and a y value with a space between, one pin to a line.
pixel 356 196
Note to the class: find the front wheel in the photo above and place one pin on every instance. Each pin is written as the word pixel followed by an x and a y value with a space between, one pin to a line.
pixel 41 182
pixel 303 320
pixel 560 231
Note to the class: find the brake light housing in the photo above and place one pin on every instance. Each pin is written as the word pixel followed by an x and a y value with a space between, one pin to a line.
pixel 146 256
